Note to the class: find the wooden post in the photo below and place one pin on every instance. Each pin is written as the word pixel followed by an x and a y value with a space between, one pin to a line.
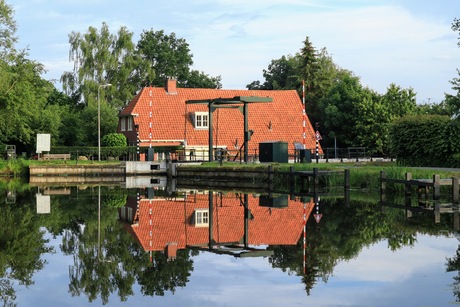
pixel 437 212
pixel 456 221
pixel 383 186
pixel 436 187
pixel 270 177
pixel 347 187
pixel 408 189
pixel 347 179
pixel 455 190
pixel 291 181
pixel 315 175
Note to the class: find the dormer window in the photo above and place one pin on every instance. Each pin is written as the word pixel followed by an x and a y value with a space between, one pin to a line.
pixel 201 120
pixel 201 218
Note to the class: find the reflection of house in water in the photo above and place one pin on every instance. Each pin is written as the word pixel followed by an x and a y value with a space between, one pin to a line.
pixel 161 224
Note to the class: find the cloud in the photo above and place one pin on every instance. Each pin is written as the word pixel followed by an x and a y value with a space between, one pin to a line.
pixel 382 42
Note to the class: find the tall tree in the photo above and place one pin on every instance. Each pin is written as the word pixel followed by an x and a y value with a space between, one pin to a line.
pixel 317 69
pixel 456 27
pixel 453 101
pixel 281 74
pixel 100 58
pixel 24 93
pixel 309 65
pixel 170 57
pixel 7 29
pixel 340 111
pixel 198 79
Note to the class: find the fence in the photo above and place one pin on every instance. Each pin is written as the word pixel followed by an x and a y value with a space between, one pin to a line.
pixel 219 154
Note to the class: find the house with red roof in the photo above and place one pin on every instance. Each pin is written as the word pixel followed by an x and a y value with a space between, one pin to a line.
pixel 167 224
pixel 161 116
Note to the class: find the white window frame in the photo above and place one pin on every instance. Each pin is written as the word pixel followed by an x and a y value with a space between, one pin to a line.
pixel 201 120
pixel 130 123
pixel 122 123
pixel 201 217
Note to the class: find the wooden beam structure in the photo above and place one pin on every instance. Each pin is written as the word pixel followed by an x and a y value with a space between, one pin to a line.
pixel 233 102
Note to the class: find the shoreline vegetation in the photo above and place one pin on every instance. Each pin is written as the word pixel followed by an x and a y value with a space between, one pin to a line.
pixel 362 174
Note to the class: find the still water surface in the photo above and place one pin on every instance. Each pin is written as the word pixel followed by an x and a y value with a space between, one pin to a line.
pixel 92 245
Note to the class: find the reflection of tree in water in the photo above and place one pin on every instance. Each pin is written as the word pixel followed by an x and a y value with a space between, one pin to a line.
pixel 164 275
pixel 21 247
pixel 119 263
pixel 344 231
pixel 452 265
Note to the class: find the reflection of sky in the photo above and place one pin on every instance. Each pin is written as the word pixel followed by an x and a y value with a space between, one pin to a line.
pixel 411 276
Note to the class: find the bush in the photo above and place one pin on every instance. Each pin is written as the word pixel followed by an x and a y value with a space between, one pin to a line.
pixel 430 140
pixel 114 140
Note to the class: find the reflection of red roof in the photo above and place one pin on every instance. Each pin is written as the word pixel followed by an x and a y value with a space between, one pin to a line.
pixel 164 221
pixel 171 118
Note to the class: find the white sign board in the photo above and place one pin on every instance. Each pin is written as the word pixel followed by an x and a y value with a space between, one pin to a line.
pixel 43 204
pixel 43 142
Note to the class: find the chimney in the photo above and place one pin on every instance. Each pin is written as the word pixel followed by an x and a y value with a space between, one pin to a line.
pixel 171 250
pixel 171 86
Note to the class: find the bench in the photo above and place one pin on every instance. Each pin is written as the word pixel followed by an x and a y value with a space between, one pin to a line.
pixel 55 157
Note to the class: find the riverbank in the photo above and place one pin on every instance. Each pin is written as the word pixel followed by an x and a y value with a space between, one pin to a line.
pixel 364 174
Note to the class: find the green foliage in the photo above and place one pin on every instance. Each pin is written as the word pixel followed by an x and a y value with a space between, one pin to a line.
pixel 349 114
pixel 453 101
pixel 7 29
pixel 170 57
pixel 114 140
pixel 340 112
pixel 430 140
pixel 101 57
pixel 198 79
pixel 19 229
pixel 116 198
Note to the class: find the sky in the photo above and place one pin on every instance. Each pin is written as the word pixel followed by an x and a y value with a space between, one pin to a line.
pixel 406 42
pixel 410 276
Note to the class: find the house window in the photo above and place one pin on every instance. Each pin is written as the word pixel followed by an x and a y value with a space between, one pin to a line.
pixel 201 120
pixel 130 123
pixel 123 123
pixel 202 217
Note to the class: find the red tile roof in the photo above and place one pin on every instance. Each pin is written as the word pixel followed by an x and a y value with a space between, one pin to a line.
pixel 163 221
pixel 280 120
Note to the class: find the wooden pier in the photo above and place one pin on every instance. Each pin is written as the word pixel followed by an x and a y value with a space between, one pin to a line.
pixel 423 186
pixel 428 195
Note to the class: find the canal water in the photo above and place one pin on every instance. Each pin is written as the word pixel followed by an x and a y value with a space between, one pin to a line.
pixel 108 245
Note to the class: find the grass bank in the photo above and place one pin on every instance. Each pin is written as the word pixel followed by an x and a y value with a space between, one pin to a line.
pixel 20 167
pixel 363 175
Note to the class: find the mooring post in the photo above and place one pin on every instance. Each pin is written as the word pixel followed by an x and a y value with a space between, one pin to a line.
pixel 436 187
pixel 408 189
pixel 347 187
pixel 455 190
pixel 315 176
pixel 456 220
pixel 291 181
pixel 383 186
pixel 347 179
pixel 270 177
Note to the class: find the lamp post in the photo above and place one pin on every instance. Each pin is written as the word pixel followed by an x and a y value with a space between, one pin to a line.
pixel 99 120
